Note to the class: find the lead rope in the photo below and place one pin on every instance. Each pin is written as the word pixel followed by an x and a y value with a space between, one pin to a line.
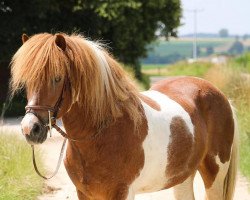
pixel 58 163
pixel 61 152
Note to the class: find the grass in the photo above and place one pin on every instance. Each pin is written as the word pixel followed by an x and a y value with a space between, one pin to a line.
pixel 194 69
pixel 181 68
pixel 244 119
pixel 17 177
pixel 243 62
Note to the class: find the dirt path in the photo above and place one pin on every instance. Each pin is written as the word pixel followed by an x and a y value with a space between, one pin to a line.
pixel 60 187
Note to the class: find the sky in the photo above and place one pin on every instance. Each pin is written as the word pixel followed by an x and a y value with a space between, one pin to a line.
pixel 233 15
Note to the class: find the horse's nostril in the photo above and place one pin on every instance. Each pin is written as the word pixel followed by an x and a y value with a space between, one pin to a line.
pixel 36 129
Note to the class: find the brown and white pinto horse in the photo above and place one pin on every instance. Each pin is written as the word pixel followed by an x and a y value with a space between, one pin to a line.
pixel 123 142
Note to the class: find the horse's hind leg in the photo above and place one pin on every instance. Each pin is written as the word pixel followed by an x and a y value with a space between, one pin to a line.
pixel 185 190
pixel 213 173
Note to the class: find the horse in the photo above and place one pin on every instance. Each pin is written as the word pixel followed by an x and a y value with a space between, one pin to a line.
pixel 122 142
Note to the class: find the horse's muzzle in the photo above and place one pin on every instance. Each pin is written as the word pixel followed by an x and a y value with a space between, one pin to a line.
pixel 33 130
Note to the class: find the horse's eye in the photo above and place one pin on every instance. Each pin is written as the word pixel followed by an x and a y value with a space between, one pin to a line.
pixel 57 79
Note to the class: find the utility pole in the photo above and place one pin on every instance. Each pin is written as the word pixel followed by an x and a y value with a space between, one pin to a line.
pixel 195 12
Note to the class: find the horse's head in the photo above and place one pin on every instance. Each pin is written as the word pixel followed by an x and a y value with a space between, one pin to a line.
pixel 43 108
pixel 48 96
pixel 59 71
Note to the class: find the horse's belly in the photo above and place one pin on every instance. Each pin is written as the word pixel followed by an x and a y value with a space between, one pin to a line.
pixel 153 175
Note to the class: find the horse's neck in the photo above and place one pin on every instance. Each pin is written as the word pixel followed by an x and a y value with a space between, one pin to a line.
pixel 76 123
pixel 73 122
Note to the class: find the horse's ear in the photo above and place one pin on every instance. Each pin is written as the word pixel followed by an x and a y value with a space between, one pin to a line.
pixel 60 41
pixel 24 38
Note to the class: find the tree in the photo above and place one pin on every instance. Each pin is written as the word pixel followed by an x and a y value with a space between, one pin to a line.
pixel 126 25
pixel 245 37
pixel 223 33
pixel 236 48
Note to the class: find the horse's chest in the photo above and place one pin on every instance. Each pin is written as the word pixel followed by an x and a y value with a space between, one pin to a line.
pixel 86 177
pixel 102 168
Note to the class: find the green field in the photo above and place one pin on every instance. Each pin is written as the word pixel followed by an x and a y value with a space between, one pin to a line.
pixel 18 180
pixel 177 69
pixel 180 49
pixel 153 66
pixel 183 47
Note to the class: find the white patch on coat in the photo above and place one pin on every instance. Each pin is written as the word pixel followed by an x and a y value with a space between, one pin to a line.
pixel 153 175
pixel 185 189
pixel 215 192
pixel 29 119
pixel 131 194
pixel 27 123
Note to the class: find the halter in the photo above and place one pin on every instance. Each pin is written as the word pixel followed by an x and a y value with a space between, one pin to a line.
pixel 52 124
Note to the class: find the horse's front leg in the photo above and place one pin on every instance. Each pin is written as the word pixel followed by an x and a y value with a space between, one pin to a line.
pixel 123 193
pixel 120 195
pixel 81 196
pixel 131 195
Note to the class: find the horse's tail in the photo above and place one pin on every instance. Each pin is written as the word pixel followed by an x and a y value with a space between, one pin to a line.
pixel 230 180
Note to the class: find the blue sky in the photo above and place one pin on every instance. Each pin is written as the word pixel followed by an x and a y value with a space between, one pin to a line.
pixel 233 15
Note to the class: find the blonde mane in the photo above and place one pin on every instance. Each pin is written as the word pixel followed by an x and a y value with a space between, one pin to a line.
pixel 99 85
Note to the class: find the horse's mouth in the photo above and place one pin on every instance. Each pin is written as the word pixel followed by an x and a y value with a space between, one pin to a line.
pixel 36 139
